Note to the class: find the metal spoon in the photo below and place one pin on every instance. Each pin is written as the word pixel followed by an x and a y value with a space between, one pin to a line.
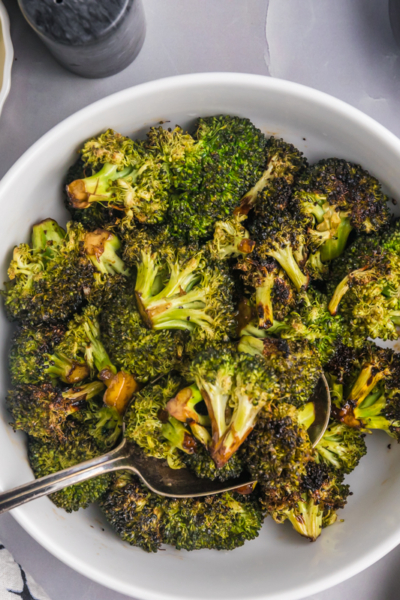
pixel 155 474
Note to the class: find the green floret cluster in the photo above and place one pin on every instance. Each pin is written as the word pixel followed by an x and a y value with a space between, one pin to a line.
pixel 46 459
pixel 141 518
pixel 206 281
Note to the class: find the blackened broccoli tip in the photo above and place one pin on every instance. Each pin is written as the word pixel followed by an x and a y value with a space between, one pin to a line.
pixel 278 449
pixel 203 466
pixel 295 364
pixel 321 494
pixel 336 196
pixel 47 282
pixel 284 162
pixel 44 411
pixel 236 384
pixel 261 276
pixel 48 458
pixel 141 518
pixel 341 447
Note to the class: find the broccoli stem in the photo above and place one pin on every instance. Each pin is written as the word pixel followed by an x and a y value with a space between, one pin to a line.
pixel 251 330
pixel 178 436
pixel 306 415
pixel 334 247
pixel 251 345
pixel 338 294
pixel 179 305
pixel 46 234
pixel 395 317
pixel 307 519
pixel 366 381
pixel 284 256
pixel 101 247
pixel 183 406
pixel 242 422
pixel 84 392
pixel 201 433
pixel 369 413
pixel 249 199
pixel 264 287
pixel 97 351
pixel 83 192
pixel 69 371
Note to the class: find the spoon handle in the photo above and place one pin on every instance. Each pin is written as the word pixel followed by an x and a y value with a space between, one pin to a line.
pixel 114 460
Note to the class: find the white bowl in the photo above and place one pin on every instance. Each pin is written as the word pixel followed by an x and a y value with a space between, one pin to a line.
pixel 279 564
pixel 6 55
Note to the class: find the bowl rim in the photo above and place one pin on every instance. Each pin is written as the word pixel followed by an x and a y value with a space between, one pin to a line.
pixel 9 55
pixel 267 83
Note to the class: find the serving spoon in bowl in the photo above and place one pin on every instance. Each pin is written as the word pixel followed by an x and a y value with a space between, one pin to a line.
pixel 154 473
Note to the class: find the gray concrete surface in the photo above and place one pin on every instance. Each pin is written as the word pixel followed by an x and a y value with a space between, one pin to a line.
pixel 343 47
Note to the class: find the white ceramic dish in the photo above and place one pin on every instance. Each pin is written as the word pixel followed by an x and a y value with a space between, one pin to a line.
pixel 279 564
pixel 6 55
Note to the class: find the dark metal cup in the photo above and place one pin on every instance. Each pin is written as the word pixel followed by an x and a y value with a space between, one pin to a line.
pixel 92 38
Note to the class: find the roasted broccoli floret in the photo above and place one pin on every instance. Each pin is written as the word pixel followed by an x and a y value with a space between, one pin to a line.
pixel 311 321
pixel 141 518
pixel 284 164
pixel 278 449
pixel 150 426
pixel 48 458
pixel 295 363
pixel 281 238
pixel 70 353
pixel 314 506
pixel 53 277
pixel 145 353
pixel 367 396
pixel 232 154
pixel 33 358
pixel 335 197
pixel 364 288
pixel 45 411
pixel 235 388
pixel 125 177
pixel 341 448
pixel 48 278
pixel 194 295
